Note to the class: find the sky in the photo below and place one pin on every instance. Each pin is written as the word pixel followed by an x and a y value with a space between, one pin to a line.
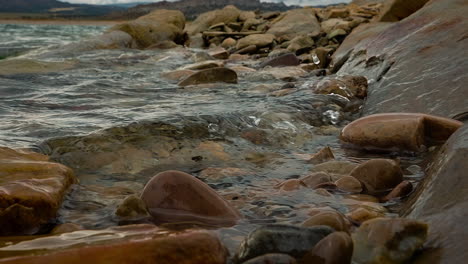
pixel 288 2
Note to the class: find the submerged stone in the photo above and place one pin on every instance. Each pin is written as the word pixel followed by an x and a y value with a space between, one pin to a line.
pixel 294 23
pixel 175 196
pixel 211 75
pixel 325 154
pixel 287 239
pixel 336 248
pixel 327 217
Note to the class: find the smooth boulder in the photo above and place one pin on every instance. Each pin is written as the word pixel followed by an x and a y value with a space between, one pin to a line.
pixel 31 190
pixel 206 20
pixel 294 23
pixel 378 175
pixel 175 196
pixel 336 248
pixel 259 40
pixel 212 75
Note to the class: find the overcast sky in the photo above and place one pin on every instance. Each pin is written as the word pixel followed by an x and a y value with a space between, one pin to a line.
pixel 299 2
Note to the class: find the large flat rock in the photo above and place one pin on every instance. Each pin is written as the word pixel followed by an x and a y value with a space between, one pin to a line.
pixel 415 65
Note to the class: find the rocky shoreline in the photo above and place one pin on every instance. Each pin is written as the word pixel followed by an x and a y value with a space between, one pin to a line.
pixel 371 75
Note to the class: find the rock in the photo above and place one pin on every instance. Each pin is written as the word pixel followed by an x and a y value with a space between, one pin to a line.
pixel 204 21
pixel 295 23
pixel 204 65
pixel 242 69
pixel 115 39
pixel 337 13
pixel 272 259
pixel 132 207
pixel 361 214
pixel 166 44
pixel 301 44
pixel 174 196
pixel 177 75
pixel 25 66
pixel 396 10
pixel 327 217
pixel 403 131
pixel 440 200
pixel 252 49
pixel 251 24
pixel 284 72
pixel 66 228
pixel 238 57
pixel 216 174
pixel 287 239
pixel 335 167
pixel 401 190
pixel 228 43
pixel 315 179
pixel 31 190
pixel 196 41
pixel 290 185
pixel 406 76
pixel 349 184
pixel 246 15
pixel 336 33
pixel 336 248
pixel 211 75
pixel 157 26
pixel 386 240
pixel 321 57
pixel 378 175
pixel 281 61
pixel 325 154
pixel 335 23
pixel 119 245
pixel 259 40
pixel 219 53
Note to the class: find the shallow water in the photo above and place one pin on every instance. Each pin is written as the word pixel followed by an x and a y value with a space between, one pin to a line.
pixel 117 122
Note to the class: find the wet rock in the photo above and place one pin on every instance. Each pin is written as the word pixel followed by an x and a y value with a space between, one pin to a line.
pixel 401 190
pixel 272 259
pixel 206 20
pixel 157 26
pixel 66 228
pixel 132 207
pixel 242 69
pixel 120 245
pixel 31 190
pixel 327 217
pixel 251 49
pixel 402 131
pixel 219 53
pixel 21 66
pixel 166 44
pixel 349 184
pixel 378 175
pixel 406 76
pixel 339 168
pixel 347 86
pixel 386 240
pixel 177 75
pixel 211 75
pixel 290 185
pixel 287 239
pixel 325 154
pixel 441 201
pixel 336 248
pixel 174 196
pixel 284 73
pixel 281 61
pixel 315 179
pixel 204 65
pixel 361 214
pixel 337 33
pixel 396 10
pixel 321 57
pixel 215 174
pixel 228 43
pixel 282 92
pixel 115 39
pixel 259 40
pixel 295 22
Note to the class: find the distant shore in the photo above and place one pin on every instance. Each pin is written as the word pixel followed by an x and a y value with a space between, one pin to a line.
pixel 60 22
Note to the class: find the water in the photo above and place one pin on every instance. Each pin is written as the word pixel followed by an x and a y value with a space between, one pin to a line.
pixel 116 121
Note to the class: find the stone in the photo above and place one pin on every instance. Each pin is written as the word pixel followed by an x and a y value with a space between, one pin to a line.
pixel 115 39
pixel 405 76
pixel 337 13
pixel 196 41
pixel 284 73
pixel 29 66
pixel 361 214
pixel 251 49
pixel 204 21
pixel 272 259
pixel 288 59
pixel 211 75
pixel 157 26
pixel 321 57
pixel 336 248
pixel 440 200
pixel 292 240
pixel 396 10
pixel 301 44
pixel 203 65
pixel 399 131
pixel 119 245
pixel 378 175
pixel 259 40
pixel 327 217
pixel 290 185
pixel 219 53
pixel 335 167
pixel 246 15
pixel 238 57
pixel 325 154
pixel 31 190
pixel 336 33
pixel 242 69
pixel 66 228
pixel 216 174
pixel 387 240
pixel 177 75
pixel 335 23
pixel 165 44
pixel 294 23
pixel 174 196
pixel 228 43
pixel 401 190
pixel 315 179
pixel 132 207
pixel 349 184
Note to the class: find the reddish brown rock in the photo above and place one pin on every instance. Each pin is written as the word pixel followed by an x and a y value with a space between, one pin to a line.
pixel 281 61
pixel 387 240
pixel 347 86
pixel 174 196
pixel 378 175
pixel 211 75
pixel 325 154
pixel 336 168
pixel 315 179
pixel 336 248
pixel 401 190
pixel 362 214
pixel 143 244
pixel 177 75
pixel 220 173
pixel 31 190
pixel 349 184
pixel 329 218
pixel 398 131
pixel 290 185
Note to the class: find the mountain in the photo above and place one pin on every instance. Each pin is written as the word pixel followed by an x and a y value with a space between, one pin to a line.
pixel 55 8
pixel 192 8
